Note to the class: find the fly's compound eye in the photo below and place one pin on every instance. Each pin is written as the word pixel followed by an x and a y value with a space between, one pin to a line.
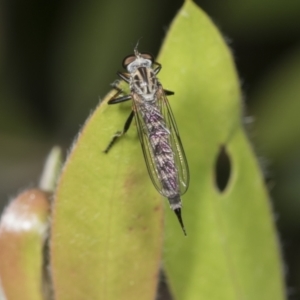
pixel 131 58
pixel 128 60
pixel 147 56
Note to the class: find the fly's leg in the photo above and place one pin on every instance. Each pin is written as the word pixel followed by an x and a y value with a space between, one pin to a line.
pixel 119 99
pixel 124 76
pixel 116 100
pixel 158 68
pixel 156 71
pixel 118 134
pixel 168 93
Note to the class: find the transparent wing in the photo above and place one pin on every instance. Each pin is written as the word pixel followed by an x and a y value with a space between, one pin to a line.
pixel 146 147
pixel 175 141
pixel 179 154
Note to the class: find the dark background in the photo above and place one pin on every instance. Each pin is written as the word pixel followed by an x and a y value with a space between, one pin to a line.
pixel 57 58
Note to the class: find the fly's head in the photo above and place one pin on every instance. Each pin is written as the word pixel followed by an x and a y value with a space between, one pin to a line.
pixel 134 61
pixel 143 80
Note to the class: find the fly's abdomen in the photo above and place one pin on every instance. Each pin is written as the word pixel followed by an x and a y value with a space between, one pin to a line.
pixel 159 138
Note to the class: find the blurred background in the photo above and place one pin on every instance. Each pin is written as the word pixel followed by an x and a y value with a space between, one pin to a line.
pixel 58 58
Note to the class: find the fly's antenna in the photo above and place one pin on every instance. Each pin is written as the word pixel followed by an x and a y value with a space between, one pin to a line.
pixel 136 52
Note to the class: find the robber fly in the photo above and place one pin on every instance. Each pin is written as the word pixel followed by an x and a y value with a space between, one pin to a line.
pixel 157 130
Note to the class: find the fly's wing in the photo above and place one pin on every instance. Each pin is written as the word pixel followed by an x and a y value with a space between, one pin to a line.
pixel 179 155
pixel 146 146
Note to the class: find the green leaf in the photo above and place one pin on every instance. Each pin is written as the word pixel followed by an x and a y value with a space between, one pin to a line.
pixel 107 217
pixel 231 251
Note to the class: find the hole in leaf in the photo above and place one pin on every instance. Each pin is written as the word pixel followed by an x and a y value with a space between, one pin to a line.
pixel 222 169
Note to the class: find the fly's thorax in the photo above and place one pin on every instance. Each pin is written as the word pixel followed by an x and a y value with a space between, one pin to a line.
pixel 144 83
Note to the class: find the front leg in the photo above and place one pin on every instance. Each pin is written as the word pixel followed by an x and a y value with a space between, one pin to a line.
pixel 118 134
pixel 115 100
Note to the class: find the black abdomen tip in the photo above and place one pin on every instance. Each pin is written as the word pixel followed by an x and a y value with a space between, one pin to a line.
pixel 178 214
